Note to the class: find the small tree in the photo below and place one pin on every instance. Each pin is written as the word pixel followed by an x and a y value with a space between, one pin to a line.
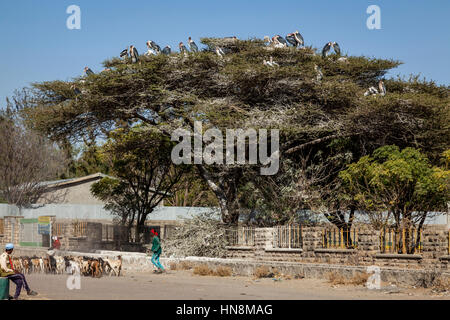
pixel 140 159
pixel 400 186
pixel 26 160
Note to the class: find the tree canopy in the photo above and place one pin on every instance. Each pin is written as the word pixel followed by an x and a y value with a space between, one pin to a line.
pixel 327 121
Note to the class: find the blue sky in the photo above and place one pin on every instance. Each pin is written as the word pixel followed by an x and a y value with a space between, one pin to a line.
pixel 37 46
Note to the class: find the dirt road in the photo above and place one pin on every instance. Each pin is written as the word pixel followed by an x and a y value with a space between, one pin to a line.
pixel 183 285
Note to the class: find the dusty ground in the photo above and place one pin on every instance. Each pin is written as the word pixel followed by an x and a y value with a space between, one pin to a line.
pixel 183 285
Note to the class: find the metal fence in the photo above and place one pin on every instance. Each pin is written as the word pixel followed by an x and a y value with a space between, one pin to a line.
pixel 340 238
pixel 403 240
pixel 58 229
pixel 79 228
pixel 288 236
pixel 107 232
pixel 241 236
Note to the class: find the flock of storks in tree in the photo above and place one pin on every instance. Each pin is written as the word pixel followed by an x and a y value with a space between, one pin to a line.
pixel 294 39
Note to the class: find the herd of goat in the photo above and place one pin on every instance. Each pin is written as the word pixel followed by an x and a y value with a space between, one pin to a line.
pixel 87 266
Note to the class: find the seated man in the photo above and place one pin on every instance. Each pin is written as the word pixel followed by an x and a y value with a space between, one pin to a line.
pixel 7 270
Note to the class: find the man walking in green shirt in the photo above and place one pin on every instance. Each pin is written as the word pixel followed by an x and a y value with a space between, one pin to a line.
pixel 156 248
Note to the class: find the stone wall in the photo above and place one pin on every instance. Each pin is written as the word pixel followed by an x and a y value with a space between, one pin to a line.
pixel 435 249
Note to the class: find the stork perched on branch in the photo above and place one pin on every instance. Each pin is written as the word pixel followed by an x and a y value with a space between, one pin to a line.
pixel 153 48
pixel 319 76
pixel 374 91
pixel 279 41
pixel 124 53
pixel 268 41
pixel 182 48
pixel 381 88
pixel 134 54
pixel 327 48
pixel 220 52
pixel 88 71
pixel 192 45
pixel 167 50
pixel 295 39
pixel 270 63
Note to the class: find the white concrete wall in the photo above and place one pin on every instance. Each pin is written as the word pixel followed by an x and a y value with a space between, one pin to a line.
pixel 95 212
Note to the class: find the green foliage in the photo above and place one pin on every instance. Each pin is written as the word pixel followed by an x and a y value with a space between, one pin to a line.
pixel 400 182
pixel 140 160
pixel 330 117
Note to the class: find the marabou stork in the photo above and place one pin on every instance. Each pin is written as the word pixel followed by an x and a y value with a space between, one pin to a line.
pixel 151 50
pixel 291 39
pixel 295 39
pixel 299 38
pixel 134 54
pixel 88 71
pixel 75 89
pixel 124 53
pixel 268 40
pixel 280 39
pixel 270 63
pixel 381 88
pixel 326 49
pixel 371 91
pixel 220 52
pixel 183 48
pixel 336 48
pixel 166 50
pixel 319 73
pixel 273 63
pixel 192 45
pixel 152 44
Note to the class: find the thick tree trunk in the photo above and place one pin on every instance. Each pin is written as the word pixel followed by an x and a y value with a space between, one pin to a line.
pixel 227 202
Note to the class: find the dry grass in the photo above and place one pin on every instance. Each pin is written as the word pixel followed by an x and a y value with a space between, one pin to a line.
pixel 185 265
pixel 203 270
pixel 336 278
pixel 173 266
pixel 263 272
pixel 223 272
pixel 359 278
pixel 441 284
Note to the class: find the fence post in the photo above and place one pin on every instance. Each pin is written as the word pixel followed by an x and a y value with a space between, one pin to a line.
pixel 289 227
pixel 323 239
pixel 404 240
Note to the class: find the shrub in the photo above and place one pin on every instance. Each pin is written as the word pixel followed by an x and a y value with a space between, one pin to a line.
pixel 223 272
pixel 441 284
pixel 359 278
pixel 173 266
pixel 336 278
pixel 262 272
pixel 185 265
pixel 203 270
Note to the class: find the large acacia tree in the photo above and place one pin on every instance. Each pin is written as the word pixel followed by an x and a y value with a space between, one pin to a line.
pixel 328 121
